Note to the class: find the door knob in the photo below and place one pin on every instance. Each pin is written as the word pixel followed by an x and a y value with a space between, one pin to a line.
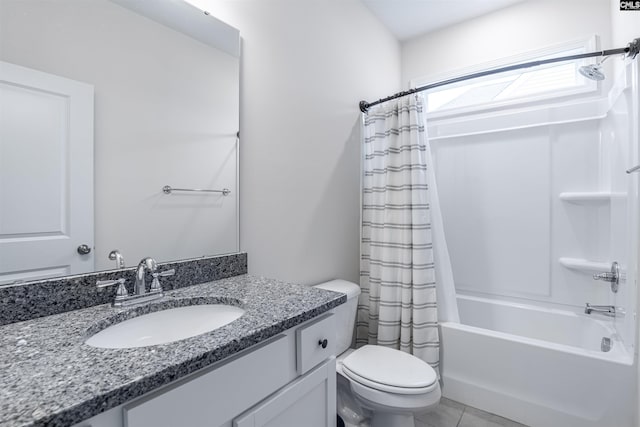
pixel 84 250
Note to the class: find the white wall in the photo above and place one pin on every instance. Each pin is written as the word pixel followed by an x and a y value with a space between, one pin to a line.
pixel 523 27
pixel 166 112
pixel 305 66
pixel 625 25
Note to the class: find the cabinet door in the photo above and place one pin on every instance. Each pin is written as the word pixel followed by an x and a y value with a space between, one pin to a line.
pixel 110 418
pixel 309 401
pixel 216 395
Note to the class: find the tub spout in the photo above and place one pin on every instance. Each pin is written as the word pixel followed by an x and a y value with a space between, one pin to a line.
pixel 606 310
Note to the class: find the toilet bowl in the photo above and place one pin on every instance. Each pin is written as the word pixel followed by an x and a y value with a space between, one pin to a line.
pixel 377 386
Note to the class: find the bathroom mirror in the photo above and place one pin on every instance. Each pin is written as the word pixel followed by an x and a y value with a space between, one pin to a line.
pixel 103 103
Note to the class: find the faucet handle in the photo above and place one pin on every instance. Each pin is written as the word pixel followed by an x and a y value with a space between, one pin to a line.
pixel 607 277
pixel 155 284
pixel 107 283
pixel 612 276
pixel 121 292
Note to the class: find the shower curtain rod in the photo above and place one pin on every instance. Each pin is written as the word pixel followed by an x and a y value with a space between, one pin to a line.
pixel 631 50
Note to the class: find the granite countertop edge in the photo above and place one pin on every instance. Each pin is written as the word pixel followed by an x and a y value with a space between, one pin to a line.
pixel 271 306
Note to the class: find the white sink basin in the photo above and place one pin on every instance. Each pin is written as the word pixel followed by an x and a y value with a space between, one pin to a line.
pixel 165 326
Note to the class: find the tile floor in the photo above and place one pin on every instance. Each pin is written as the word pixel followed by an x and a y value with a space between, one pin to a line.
pixel 454 414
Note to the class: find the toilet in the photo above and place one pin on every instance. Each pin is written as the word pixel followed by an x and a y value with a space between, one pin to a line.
pixel 377 386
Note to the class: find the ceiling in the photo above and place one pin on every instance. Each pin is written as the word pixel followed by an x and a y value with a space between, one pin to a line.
pixel 410 18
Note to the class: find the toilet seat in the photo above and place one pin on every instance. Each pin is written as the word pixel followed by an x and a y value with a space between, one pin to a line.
pixel 388 370
pixel 394 402
pixel 385 387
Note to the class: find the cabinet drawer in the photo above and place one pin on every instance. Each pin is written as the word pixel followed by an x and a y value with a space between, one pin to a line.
pixel 315 342
pixel 217 395
pixel 309 401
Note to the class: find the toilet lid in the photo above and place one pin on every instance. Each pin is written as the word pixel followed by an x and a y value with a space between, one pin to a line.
pixel 390 370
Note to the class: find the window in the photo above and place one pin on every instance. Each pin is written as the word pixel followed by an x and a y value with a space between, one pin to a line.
pixel 519 86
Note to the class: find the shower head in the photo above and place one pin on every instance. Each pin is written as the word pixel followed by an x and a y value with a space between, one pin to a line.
pixel 592 72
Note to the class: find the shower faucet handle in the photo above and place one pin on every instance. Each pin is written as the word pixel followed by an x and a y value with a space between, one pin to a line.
pixel 607 277
pixel 612 276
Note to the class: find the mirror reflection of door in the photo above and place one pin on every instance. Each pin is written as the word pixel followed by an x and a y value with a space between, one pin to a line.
pixel 46 175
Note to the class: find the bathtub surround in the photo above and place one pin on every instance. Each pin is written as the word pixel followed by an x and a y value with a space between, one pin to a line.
pixel 624 24
pixel 498 211
pixel 537 366
pixel 503 218
pixel 397 307
pixel 47 297
pixel 51 378
pixel 503 175
pixel 511 227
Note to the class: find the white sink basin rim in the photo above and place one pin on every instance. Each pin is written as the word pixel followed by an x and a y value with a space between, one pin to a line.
pixel 165 326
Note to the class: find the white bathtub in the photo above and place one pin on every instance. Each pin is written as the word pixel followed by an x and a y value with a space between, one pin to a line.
pixel 540 367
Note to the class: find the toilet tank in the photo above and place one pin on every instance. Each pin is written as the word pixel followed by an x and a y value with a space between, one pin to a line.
pixel 346 313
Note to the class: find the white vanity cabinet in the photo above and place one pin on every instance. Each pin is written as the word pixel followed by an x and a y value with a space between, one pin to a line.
pixel 288 380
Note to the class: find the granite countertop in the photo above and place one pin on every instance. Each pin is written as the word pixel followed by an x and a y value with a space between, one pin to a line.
pixel 50 377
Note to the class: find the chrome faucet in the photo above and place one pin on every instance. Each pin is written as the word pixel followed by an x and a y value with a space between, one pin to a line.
pixel 140 285
pixel 116 256
pixel 606 310
pixel 140 294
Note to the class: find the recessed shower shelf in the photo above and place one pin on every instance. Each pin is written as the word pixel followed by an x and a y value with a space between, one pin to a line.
pixel 584 265
pixel 590 196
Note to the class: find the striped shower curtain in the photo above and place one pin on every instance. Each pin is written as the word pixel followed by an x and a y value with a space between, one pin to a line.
pixel 397 306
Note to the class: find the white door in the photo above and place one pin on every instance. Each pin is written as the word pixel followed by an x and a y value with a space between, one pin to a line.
pixel 46 175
